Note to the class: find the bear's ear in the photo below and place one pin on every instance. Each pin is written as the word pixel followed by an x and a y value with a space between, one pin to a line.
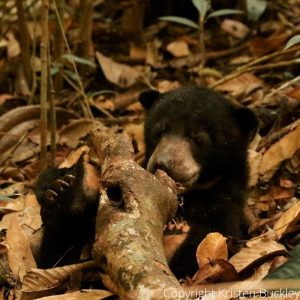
pixel 148 98
pixel 247 120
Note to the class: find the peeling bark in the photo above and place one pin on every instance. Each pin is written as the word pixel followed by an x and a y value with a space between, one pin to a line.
pixel 134 206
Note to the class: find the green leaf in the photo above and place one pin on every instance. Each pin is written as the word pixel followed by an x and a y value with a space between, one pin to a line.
pixel 79 60
pixel 292 41
pixel 180 20
pixel 255 8
pixel 54 70
pixel 92 95
pixel 71 75
pixel 9 197
pixel 290 269
pixel 202 6
pixel 224 12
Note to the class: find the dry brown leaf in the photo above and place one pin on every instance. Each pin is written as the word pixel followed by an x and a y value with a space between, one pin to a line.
pixel 286 183
pixel 136 131
pixel 154 58
pixel 13 46
pixel 235 28
pixel 119 74
pixel 280 151
pixel 259 251
pixel 166 85
pixel 241 85
pixel 72 133
pixel 15 204
pixel 294 93
pixel 261 223
pixel 250 284
pixel 5 97
pixel 211 248
pixel 240 60
pixel 269 235
pixel 277 193
pixel 287 221
pixel 90 294
pixel 178 48
pixel 39 283
pixel 218 270
pixel 19 257
pixel 232 290
pixel 12 137
pixel 74 156
pixel 261 46
pixel 137 52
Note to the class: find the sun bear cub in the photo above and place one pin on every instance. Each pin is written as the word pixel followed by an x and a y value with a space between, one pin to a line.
pixel 200 139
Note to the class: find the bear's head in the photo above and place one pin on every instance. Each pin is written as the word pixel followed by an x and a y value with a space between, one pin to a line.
pixel 195 134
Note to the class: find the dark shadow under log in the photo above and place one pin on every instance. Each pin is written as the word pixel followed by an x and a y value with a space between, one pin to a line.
pixel 134 206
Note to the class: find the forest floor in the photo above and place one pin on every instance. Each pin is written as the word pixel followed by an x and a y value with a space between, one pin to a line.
pixel 254 63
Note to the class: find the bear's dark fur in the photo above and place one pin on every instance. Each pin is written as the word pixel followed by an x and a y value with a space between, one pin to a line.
pixel 200 139
pixel 68 211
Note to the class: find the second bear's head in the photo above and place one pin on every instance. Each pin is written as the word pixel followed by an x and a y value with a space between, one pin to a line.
pixel 195 134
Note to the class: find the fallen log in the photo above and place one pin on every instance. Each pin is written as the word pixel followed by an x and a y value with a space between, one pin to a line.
pixel 134 207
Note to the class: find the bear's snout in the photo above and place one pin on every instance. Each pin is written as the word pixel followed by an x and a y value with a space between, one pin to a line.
pixel 173 155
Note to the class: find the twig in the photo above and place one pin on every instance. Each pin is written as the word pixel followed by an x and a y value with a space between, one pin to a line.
pixel 44 82
pixel 285 85
pixel 269 56
pixel 58 47
pixel 14 149
pixel 85 31
pixel 201 41
pixel 34 81
pixel 255 69
pixel 90 115
pixel 52 119
pixel 24 40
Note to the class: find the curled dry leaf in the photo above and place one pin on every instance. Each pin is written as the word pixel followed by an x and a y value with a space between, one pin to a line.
pixel 212 247
pixel 119 74
pixel 261 250
pixel 30 112
pixel 39 283
pixel 288 220
pixel 280 151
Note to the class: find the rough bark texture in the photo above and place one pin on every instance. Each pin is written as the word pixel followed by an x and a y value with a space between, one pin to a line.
pixel 134 207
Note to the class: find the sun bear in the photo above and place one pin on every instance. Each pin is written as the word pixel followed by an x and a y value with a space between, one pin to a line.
pixel 200 139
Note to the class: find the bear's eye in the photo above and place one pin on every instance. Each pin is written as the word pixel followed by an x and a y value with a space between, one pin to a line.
pixel 158 130
pixel 199 137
